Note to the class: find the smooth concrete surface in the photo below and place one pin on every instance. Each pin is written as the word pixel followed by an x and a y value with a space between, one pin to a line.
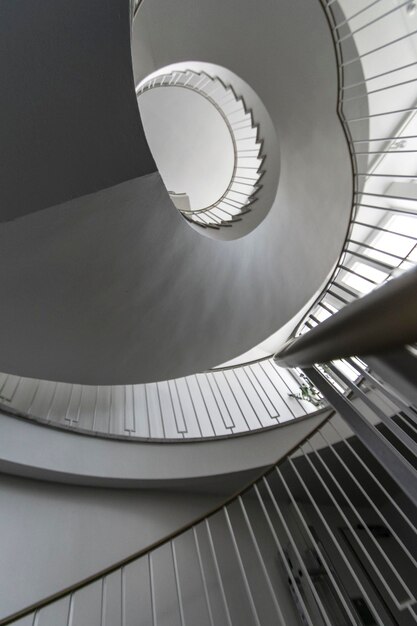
pixel 32 450
pixel 275 342
pixel 115 287
pixel 53 536
pixel 69 121
pixel 95 295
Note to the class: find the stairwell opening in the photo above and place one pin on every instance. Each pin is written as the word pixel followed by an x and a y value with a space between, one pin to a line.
pixel 207 140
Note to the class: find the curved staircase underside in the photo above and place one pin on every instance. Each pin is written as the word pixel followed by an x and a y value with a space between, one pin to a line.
pixel 115 287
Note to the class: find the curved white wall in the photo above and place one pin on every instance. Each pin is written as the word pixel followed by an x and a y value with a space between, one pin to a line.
pixel 32 450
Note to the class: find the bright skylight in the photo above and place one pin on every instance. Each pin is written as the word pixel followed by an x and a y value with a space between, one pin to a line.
pixel 371 277
pixel 395 244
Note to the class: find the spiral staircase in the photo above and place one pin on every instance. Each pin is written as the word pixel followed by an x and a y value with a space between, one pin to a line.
pixel 150 475
pixel 244 184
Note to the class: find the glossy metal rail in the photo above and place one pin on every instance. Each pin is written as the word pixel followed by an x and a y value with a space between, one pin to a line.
pixel 377 106
pixel 244 184
pixel 211 404
pixel 326 537
pixel 380 321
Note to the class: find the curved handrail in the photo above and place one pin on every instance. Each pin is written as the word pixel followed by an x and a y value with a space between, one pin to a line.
pixel 383 320
pixel 384 212
pixel 218 403
pixel 269 550
pixel 241 191
pixel 135 7
pixel 69 591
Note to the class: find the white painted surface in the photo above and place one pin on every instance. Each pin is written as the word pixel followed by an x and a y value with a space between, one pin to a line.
pixel 190 142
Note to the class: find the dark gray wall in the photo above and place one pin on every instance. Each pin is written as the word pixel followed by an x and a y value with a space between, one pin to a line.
pixel 69 121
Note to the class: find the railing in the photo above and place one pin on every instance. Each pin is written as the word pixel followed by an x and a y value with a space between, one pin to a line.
pixel 374 410
pixel 327 537
pixel 377 106
pixel 380 321
pixel 212 404
pixel 381 243
pixel 244 184
pixel 382 239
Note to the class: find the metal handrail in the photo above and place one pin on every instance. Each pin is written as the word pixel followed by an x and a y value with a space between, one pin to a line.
pixel 383 320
